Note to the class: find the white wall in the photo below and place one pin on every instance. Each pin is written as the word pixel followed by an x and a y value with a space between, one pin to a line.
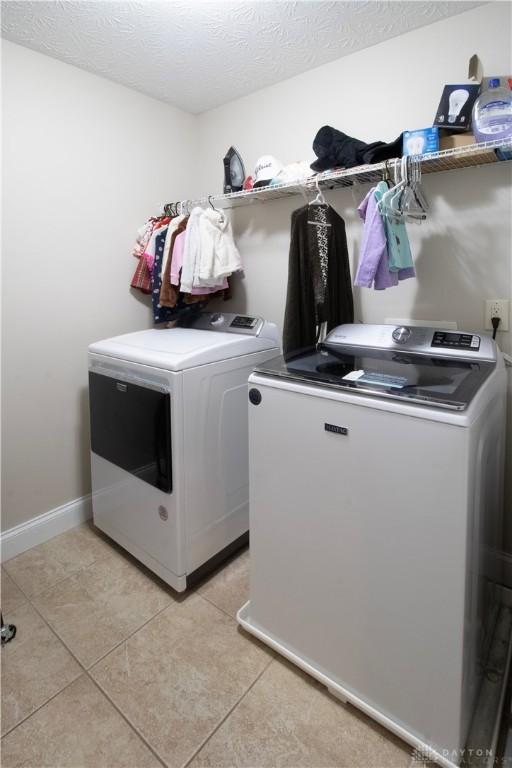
pixel 84 162
pixel 463 253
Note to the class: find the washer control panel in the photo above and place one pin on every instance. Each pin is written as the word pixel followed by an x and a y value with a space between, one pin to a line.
pixel 401 334
pixel 457 340
pixel 421 340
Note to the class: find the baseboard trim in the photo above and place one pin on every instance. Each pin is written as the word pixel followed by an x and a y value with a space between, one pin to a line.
pixel 43 527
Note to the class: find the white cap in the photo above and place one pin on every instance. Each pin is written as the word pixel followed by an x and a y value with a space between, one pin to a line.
pixel 266 169
pixel 297 171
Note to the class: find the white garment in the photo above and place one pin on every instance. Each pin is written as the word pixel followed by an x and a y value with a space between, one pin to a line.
pixel 218 254
pixel 190 250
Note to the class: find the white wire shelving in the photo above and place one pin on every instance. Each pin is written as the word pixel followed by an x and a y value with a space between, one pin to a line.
pixel 467 156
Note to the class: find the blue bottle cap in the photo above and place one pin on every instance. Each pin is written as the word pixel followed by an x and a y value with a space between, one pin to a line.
pixel 494 82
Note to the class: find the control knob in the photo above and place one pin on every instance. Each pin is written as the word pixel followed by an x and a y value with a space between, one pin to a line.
pixel 401 334
pixel 216 319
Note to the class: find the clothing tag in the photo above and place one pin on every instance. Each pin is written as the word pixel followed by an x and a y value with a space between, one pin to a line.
pixel 354 375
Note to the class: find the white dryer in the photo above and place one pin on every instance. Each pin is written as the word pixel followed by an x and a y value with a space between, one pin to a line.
pixel 376 476
pixel 169 444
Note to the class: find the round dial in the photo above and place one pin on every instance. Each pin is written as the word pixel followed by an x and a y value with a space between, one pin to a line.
pixel 216 319
pixel 401 334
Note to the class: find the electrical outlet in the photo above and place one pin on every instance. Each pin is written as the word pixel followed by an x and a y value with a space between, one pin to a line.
pixel 496 308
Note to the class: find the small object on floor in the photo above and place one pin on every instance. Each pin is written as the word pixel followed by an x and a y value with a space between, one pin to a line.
pixel 8 631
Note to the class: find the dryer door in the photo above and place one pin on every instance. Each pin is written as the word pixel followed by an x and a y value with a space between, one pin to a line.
pixel 131 427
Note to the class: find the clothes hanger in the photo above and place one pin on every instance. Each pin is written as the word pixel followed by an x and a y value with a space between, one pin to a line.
pixel 410 203
pixel 221 215
pixel 398 199
pixel 422 200
pixel 385 203
pixel 320 201
pixel 386 178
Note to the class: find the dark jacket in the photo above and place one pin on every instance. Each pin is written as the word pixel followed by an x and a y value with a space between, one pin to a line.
pixel 335 149
pixel 316 295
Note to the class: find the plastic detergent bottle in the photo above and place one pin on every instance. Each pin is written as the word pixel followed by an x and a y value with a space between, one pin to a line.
pixel 492 113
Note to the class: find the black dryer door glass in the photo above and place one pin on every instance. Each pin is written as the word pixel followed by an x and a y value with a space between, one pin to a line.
pixel 131 427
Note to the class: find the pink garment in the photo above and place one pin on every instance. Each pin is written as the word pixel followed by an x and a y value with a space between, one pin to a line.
pixel 149 252
pixel 177 263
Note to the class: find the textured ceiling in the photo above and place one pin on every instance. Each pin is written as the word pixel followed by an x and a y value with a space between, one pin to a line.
pixel 198 55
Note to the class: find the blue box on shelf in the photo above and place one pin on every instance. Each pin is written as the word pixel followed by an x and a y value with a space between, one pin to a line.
pixel 421 141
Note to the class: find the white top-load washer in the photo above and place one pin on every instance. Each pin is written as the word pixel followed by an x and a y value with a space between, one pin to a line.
pixel 169 440
pixel 376 476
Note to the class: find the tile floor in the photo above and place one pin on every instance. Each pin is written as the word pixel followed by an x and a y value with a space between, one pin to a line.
pixel 111 668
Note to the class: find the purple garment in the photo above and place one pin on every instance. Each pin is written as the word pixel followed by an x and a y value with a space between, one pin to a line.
pixel 373 258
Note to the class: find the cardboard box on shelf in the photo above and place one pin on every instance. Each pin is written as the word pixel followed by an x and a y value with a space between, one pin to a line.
pixel 454 140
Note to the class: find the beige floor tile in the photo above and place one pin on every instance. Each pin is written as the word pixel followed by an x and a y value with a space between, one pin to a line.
pixel 228 588
pixel 11 595
pixel 288 719
pixel 43 566
pixel 35 666
pixel 79 728
pixel 178 677
pixel 98 607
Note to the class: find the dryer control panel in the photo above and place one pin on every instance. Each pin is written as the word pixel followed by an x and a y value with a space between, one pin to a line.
pixel 227 322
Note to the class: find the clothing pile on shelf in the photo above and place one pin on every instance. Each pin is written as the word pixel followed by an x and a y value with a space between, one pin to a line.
pixel 334 149
pixel 385 256
pixel 184 261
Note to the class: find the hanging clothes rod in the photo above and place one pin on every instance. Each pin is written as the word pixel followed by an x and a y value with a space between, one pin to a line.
pixel 471 155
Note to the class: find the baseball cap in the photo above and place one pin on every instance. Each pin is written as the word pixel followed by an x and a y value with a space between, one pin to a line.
pixel 266 169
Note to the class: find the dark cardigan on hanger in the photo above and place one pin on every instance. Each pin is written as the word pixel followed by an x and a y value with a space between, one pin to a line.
pixel 307 303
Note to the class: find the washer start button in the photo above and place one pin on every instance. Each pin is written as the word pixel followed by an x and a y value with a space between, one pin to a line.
pixel 401 334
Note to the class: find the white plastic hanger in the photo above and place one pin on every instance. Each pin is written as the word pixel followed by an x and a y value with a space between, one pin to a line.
pixel 319 200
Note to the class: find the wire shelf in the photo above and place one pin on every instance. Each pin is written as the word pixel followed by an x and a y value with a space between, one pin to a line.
pixel 468 156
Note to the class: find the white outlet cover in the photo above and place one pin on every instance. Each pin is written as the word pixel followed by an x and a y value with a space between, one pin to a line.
pixel 504 314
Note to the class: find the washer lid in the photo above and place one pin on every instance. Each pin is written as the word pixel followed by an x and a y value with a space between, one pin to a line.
pixel 434 381
pixel 176 349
